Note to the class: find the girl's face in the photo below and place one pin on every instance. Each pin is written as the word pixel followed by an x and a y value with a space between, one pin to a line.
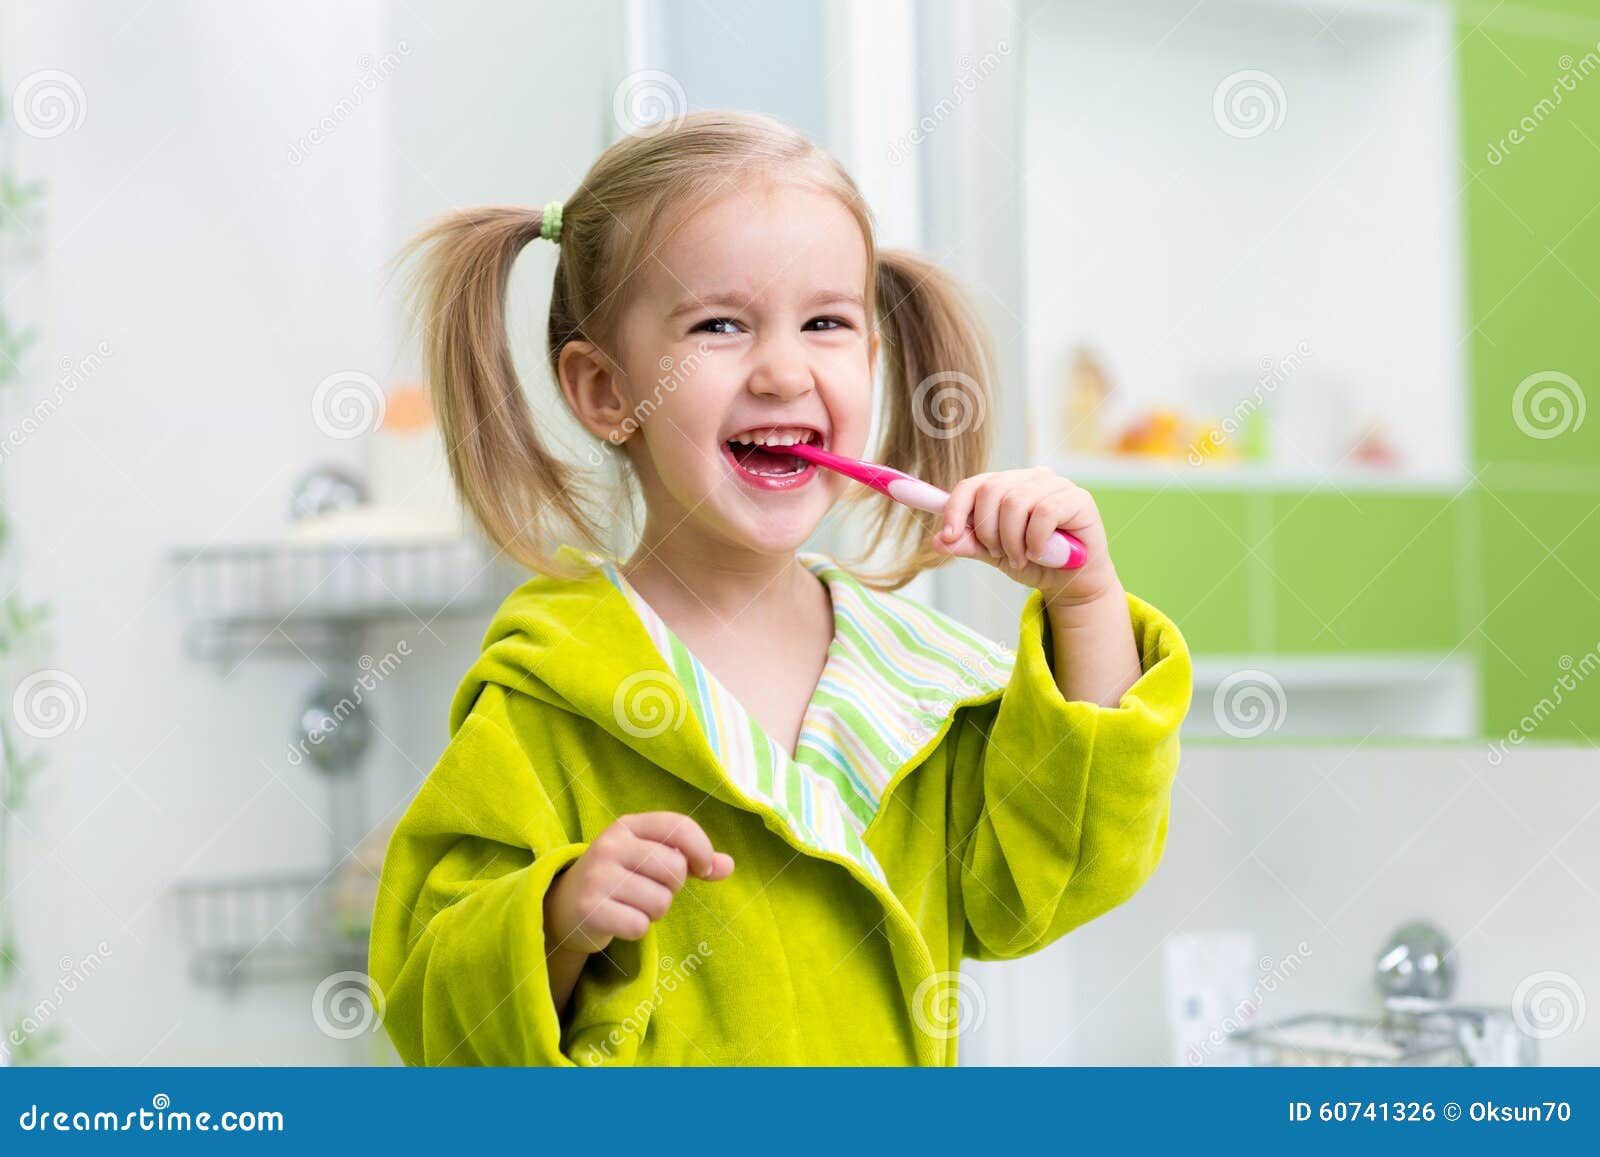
pixel 747 322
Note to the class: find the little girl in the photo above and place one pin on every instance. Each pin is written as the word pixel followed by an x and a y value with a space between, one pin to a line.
pixel 728 802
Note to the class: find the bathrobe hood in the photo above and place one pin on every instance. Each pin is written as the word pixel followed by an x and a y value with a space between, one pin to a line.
pixel 577 645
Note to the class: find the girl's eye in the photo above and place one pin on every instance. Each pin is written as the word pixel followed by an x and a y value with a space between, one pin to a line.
pixel 831 323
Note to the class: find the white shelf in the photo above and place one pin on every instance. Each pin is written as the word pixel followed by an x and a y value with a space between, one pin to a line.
pixel 1156 474
pixel 1307 265
pixel 1353 696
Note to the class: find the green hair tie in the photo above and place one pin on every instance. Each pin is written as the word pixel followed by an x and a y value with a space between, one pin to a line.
pixel 550 222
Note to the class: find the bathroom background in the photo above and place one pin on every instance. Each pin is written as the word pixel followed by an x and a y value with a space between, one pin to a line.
pixel 1304 292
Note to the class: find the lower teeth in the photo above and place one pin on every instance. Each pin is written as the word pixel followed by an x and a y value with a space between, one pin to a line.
pixel 746 458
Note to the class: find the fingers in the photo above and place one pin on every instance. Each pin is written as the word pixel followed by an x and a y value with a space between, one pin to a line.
pixel 621 920
pixel 1008 513
pixel 958 510
pixel 967 546
pixel 1016 508
pixel 721 866
pixel 677 831
pixel 641 892
pixel 629 877
pixel 1063 508
pixel 659 862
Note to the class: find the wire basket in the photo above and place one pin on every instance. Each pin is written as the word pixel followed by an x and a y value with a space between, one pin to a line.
pixel 318 596
pixel 264 928
pixel 1325 1040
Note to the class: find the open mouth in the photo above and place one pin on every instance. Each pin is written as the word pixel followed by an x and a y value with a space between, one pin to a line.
pixel 760 455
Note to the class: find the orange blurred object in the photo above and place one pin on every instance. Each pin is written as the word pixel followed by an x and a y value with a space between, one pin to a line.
pixel 407 409
pixel 1160 434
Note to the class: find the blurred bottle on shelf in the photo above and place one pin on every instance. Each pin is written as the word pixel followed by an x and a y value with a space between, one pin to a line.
pixel 406 469
pixel 1087 391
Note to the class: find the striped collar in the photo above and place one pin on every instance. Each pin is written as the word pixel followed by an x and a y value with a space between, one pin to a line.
pixel 894 674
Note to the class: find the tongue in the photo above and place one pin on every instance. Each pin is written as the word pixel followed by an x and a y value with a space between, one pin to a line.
pixel 760 460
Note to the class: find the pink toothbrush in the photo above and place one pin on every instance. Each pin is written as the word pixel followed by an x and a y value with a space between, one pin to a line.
pixel 1064 552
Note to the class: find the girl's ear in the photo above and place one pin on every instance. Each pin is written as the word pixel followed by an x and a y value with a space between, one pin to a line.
pixel 591 383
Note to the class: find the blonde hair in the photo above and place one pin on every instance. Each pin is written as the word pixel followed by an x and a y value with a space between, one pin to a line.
pixel 936 353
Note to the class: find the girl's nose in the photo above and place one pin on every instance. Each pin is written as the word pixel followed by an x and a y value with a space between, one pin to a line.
pixel 782 369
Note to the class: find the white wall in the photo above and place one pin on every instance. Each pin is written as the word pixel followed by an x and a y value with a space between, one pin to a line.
pixel 1335 846
pixel 227 282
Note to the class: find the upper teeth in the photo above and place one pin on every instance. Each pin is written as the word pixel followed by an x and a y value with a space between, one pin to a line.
pixel 782 437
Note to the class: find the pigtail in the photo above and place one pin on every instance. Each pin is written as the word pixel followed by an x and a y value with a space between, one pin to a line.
pixel 519 493
pixel 937 367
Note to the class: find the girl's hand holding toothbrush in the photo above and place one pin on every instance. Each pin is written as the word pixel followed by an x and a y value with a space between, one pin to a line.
pixel 1007 516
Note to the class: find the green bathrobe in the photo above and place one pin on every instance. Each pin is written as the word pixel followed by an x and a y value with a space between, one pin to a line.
pixel 944 802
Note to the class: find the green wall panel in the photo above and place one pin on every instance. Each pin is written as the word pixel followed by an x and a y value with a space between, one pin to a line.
pixel 1181 550
pixel 1534 239
pixel 1533 271
pixel 1542 610
pixel 1365 572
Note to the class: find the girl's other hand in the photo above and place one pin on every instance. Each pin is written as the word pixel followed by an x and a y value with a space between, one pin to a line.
pixel 1006 517
pixel 626 881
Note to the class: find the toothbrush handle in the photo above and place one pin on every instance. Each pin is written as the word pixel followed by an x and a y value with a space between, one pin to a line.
pixel 1063 552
